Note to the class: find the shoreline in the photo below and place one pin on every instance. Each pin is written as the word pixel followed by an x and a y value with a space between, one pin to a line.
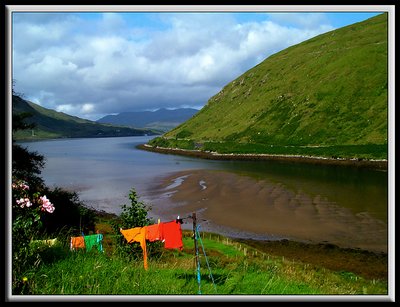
pixel 365 263
pixel 362 261
pixel 371 164
pixel 323 255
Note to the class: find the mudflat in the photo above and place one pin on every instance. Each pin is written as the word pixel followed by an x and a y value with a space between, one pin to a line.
pixel 276 220
pixel 242 206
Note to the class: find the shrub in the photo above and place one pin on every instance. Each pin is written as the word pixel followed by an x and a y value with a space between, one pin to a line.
pixel 28 208
pixel 134 215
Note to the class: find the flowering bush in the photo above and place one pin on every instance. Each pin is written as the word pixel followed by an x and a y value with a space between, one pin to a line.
pixel 22 198
pixel 27 208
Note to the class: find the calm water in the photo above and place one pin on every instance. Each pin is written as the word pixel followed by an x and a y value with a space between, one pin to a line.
pixel 103 170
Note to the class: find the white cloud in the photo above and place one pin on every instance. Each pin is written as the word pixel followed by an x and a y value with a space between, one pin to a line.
pixel 85 109
pixel 97 66
pixel 300 20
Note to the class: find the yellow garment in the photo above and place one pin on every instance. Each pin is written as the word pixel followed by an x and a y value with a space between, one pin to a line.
pixel 49 242
pixel 137 234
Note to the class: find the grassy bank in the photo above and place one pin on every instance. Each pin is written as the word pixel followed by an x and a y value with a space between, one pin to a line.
pixel 227 267
pixel 371 156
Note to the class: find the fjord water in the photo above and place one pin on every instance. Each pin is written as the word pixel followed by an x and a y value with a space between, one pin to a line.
pixel 103 170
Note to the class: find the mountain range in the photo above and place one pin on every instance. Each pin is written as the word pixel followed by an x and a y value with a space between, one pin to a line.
pixel 161 119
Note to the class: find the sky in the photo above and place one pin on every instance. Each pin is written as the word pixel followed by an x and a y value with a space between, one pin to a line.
pixel 94 63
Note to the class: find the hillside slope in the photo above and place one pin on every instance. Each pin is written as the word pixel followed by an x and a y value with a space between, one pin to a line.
pixel 331 90
pixel 53 124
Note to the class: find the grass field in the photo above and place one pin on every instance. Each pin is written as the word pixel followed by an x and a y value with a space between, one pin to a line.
pixel 227 267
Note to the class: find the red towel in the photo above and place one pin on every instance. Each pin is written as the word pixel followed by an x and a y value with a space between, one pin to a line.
pixel 172 234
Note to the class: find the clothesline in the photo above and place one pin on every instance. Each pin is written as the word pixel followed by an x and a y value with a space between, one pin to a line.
pixel 87 242
pixel 170 233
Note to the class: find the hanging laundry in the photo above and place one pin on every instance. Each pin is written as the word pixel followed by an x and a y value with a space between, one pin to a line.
pixel 100 242
pixel 137 234
pixel 154 232
pixel 77 243
pixel 48 242
pixel 168 232
pixel 172 234
pixel 94 240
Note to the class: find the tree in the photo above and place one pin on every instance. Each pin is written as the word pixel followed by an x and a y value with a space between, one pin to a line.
pixel 134 215
pixel 26 165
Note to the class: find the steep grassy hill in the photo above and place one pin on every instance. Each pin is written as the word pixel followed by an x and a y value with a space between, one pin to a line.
pixel 52 124
pixel 330 91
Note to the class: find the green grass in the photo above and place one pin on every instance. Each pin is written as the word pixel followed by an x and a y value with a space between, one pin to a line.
pixel 331 90
pixel 226 268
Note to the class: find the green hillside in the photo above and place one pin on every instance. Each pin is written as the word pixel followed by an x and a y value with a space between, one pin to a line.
pixel 52 124
pixel 328 92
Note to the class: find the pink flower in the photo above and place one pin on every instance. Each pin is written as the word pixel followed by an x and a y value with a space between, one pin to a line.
pixel 20 185
pixel 24 202
pixel 46 204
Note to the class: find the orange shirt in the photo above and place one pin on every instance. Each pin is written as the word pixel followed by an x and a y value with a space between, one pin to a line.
pixel 137 234
pixel 77 242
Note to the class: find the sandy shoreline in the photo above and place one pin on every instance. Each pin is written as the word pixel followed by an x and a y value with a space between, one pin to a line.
pixel 271 212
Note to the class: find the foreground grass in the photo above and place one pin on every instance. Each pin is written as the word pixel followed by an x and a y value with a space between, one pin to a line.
pixel 226 268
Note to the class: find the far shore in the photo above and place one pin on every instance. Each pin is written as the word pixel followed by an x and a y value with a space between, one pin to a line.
pixel 372 164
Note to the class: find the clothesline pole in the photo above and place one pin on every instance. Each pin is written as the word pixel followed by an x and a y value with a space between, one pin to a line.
pixel 196 248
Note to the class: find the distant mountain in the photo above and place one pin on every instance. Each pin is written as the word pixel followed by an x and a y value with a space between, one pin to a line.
pixel 162 119
pixel 53 124
pixel 331 90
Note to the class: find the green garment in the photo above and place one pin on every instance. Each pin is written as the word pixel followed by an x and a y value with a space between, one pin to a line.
pixel 94 241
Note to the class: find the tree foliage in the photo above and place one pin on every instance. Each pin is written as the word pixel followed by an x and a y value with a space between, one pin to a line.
pixel 134 215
